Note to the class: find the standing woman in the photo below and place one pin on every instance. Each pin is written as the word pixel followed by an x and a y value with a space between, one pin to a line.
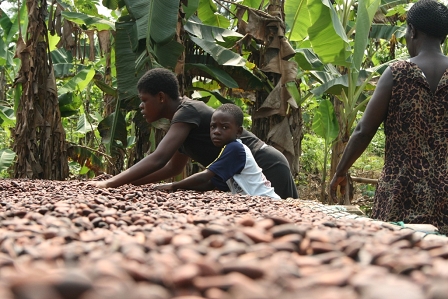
pixel 189 137
pixel 411 98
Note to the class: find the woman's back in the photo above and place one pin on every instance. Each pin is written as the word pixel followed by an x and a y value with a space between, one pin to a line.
pixel 415 173
pixel 433 66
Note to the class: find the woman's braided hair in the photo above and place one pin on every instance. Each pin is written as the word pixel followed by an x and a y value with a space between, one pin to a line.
pixel 430 17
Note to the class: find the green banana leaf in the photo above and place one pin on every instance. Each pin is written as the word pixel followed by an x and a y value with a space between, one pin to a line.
pixel 10 27
pixel 120 133
pixel 208 13
pixel 381 31
pixel 69 104
pixel 125 43
pixel 85 157
pixel 11 33
pixel 191 8
pixel 335 85
pixel 326 34
pixel 214 72
pixel 78 82
pixel 215 94
pixel 112 4
pixel 63 63
pixel 168 54
pixel 253 3
pixel 222 55
pixel 7 157
pixel 325 123
pixel 297 19
pixel 87 6
pixel 7 117
pixel 207 32
pixel 162 20
pixel 366 12
pixel 308 60
pixel 89 21
pixel 5 21
pixel 139 10
pixel 84 125
pixel 106 88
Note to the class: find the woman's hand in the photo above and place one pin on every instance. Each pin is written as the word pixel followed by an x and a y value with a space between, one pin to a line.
pixel 166 187
pixel 99 184
pixel 338 180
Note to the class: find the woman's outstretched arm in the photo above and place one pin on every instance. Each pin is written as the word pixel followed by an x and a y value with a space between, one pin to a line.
pixel 155 161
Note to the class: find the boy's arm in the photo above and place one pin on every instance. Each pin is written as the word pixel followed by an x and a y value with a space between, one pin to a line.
pixel 199 181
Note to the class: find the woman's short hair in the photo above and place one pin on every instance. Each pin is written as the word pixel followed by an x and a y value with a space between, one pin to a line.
pixel 430 17
pixel 159 80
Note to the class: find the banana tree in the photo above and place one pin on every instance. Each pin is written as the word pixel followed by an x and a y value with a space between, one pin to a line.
pixel 9 67
pixel 39 135
pixel 328 35
pixel 326 126
pixel 153 35
pixel 83 53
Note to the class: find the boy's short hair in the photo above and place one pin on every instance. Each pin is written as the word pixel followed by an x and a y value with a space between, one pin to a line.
pixel 159 80
pixel 233 110
pixel 430 17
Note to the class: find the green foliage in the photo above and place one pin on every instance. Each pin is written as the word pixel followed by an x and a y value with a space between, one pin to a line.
pixel 325 123
pixel 311 160
pixel 86 158
pixel 326 33
pixel 87 6
pixel 320 31
pixel 216 73
pixel 106 131
pixel 208 13
pixel 7 117
pixel 326 126
pixel 372 160
pixel 88 21
pixel 7 157
pixel 222 55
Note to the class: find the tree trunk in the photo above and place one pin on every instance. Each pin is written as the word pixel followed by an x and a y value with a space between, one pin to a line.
pixel 338 148
pixel 39 135
pixel 284 118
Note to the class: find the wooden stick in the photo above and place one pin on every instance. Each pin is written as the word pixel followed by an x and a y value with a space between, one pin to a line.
pixel 364 180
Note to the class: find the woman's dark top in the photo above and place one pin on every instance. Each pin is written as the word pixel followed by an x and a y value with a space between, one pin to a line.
pixel 199 147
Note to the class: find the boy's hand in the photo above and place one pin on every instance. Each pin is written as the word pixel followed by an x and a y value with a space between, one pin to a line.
pixel 166 187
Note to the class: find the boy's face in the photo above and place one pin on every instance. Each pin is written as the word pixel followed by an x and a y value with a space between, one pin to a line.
pixel 223 128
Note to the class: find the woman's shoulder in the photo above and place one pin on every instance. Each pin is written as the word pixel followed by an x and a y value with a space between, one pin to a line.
pixel 401 64
pixel 405 68
pixel 192 111
pixel 196 104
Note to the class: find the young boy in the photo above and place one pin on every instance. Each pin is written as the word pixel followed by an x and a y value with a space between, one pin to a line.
pixel 235 168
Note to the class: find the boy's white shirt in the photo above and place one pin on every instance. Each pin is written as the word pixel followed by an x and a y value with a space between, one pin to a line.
pixel 248 181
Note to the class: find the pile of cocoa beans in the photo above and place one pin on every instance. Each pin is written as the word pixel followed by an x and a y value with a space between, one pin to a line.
pixel 70 240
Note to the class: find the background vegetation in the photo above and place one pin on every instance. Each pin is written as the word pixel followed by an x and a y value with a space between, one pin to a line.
pixel 296 67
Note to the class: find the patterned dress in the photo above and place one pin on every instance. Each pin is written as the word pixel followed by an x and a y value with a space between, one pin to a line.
pixel 413 186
